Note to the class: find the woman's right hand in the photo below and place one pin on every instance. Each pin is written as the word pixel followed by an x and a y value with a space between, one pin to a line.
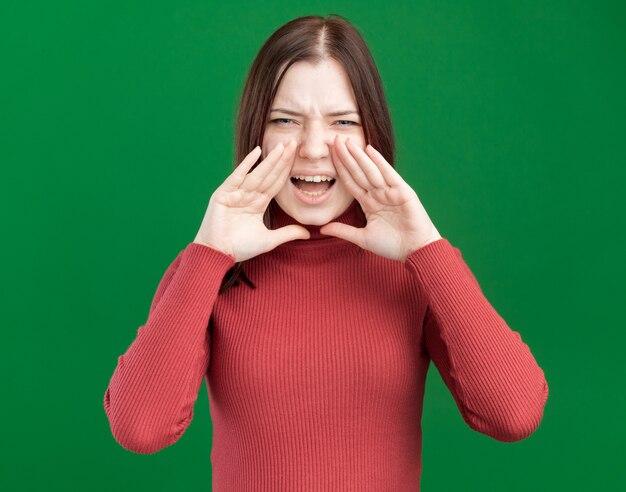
pixel 233 222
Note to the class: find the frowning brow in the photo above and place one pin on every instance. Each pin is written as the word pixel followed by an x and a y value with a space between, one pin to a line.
pixel 334 113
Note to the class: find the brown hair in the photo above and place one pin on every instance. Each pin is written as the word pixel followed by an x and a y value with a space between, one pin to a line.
pixel 310 38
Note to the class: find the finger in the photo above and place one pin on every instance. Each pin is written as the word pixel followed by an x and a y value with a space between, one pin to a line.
pixel 284 171
pixel 391 176
pixel 255 177
pixel 278 170
pixel 280 174
pixel 239 174
pixel 346 178
pixel 346 232
pixel 366 165
pixel 350 164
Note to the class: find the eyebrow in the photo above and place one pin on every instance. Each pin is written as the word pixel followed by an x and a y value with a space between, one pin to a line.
pixel 334 113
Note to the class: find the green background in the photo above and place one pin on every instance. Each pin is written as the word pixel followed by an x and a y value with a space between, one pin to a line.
pixel 117 125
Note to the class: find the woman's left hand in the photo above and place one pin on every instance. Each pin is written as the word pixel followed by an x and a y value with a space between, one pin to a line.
pixel 397 223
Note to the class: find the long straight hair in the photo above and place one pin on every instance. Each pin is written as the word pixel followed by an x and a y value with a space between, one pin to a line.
pixel 312 39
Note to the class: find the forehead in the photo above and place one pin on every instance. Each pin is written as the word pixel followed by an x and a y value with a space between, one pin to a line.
pixel 308 86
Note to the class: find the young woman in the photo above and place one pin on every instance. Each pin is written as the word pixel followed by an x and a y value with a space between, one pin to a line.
pixel 316 361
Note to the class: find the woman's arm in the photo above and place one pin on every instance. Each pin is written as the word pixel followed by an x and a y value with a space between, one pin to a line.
pixel 494 379
pixel 150 399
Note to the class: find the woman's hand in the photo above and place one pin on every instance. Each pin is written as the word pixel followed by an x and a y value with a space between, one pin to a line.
pixel 233 222
pixel 397 223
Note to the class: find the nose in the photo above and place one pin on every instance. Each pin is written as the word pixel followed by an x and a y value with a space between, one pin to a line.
pixel 315 143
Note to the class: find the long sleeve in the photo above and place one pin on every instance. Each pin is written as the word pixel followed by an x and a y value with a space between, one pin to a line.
pixel 151 395
pixel 494 379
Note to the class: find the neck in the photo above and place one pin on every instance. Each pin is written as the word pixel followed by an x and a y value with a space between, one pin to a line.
pixel 353 216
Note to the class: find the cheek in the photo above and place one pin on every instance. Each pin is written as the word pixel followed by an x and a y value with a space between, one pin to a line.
pixel 269 143
pixel 342 192
pixel 285 190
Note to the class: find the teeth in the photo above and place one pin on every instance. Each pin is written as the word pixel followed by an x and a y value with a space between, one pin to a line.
pixel 315 179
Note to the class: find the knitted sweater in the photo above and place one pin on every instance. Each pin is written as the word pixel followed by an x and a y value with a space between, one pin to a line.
pixel 316 375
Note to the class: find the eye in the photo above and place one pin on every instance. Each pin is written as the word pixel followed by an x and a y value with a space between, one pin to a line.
pixel 280 119
pixel 352 123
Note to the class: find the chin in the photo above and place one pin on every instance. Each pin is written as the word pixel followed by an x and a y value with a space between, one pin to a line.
pixel 317 217
pixel 313 215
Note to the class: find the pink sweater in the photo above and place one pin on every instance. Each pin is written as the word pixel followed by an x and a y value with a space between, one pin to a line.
pixel 316 376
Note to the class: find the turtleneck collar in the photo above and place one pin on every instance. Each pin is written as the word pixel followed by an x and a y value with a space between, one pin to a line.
pixel 353 216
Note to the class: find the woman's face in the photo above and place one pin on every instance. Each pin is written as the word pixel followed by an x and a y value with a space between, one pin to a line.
pixel 301 110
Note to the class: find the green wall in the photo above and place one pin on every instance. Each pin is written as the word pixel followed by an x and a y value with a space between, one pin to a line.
pixel 117 124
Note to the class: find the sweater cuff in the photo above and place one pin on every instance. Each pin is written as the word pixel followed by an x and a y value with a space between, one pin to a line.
pixel 206 257
pixel 201 270
pixel 437 264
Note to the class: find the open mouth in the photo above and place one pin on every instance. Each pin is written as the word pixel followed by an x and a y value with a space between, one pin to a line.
pixel 312 188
